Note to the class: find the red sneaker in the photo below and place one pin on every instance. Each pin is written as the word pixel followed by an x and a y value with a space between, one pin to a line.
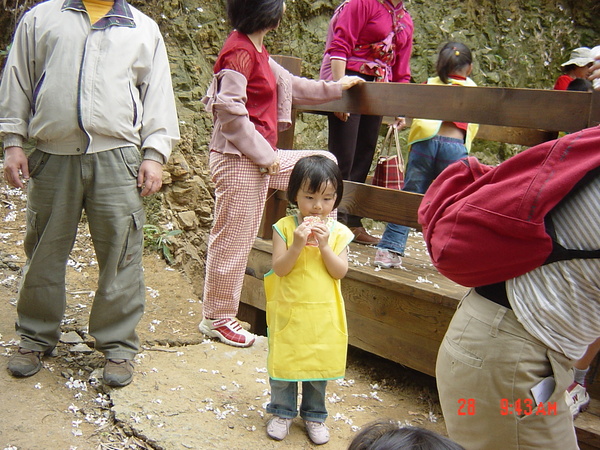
pixel 228 330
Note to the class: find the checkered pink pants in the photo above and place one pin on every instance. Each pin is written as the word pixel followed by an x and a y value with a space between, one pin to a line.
pixel 240 191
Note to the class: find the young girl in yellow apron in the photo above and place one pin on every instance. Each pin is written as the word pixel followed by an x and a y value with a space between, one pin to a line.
pixel 306 319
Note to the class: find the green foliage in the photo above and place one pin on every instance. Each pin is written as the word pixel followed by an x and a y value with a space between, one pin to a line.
pixel 5 51
pixel 158 239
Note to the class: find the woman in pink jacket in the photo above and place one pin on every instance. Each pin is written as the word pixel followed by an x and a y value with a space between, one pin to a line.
pixel 250 98
pixel 371 39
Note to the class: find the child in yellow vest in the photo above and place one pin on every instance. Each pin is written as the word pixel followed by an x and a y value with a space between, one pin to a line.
pixel 433 146
pixel 306 319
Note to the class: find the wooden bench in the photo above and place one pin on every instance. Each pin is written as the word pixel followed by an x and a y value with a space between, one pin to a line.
pixel 402 314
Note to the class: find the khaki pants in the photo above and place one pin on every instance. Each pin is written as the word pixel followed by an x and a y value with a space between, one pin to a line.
pixel 486 358
pixel 104 185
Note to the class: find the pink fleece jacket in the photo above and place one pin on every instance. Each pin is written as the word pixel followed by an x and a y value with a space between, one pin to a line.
pixel 234 132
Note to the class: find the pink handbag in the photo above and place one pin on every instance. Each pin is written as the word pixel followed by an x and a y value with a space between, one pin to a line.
pixel 389 171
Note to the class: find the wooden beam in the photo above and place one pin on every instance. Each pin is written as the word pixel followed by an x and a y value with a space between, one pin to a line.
pixel 509 135
pixel 526 108
pixel 515 135
pixel 587 428
pixel 275 209
pixel 379 203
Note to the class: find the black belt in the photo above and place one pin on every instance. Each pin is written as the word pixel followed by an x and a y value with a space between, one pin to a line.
pixel 495 292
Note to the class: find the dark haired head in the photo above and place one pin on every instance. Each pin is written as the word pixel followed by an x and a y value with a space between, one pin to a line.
pixel 580 84
pixel 386 434
pixel 313 173
pixel 453 57
pixel 569 68
pixel 249 16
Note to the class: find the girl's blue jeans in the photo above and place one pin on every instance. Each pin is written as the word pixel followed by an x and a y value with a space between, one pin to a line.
pixel 426 160
pixel 284 400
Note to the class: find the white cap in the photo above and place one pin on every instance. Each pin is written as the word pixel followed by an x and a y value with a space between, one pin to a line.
pixel 581 56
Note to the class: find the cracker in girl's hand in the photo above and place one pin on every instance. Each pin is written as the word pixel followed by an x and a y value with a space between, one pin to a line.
pixel 311 221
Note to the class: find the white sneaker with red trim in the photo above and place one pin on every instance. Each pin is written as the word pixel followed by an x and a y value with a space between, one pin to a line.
pixel 228 330
pixel 580 398
pixel 387 259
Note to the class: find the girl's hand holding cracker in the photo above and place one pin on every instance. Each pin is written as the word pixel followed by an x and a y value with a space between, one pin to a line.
pixel 317 227
pixel 302 233
pixel 321 233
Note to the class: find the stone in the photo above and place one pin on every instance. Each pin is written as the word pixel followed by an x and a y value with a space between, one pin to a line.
pixel 72 337
pixel 81 348
pixel 188 220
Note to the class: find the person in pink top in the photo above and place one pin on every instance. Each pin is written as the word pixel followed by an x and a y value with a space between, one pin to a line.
pixel 250 98
pixel 578 66
pixel 371 39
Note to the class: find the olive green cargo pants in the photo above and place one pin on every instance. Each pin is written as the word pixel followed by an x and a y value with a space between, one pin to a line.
pixel 104 185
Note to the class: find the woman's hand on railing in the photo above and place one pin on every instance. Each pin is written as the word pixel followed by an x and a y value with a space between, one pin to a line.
pixel 348 81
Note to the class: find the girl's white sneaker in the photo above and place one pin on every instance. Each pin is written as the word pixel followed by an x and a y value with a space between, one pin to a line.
pixel 317 432
pixel 278 427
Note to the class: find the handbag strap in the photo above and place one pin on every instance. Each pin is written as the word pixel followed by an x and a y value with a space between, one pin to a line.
pixel 386 148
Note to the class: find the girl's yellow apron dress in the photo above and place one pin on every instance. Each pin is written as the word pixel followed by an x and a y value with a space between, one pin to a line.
pixel 306 319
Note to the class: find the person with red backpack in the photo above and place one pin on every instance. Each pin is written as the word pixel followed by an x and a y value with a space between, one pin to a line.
pixel 526 236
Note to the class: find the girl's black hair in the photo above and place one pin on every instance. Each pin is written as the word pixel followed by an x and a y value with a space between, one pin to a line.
pixel 386 434
pixel 580 84
pixel 249 16
pixel 452 58
pixel 312 172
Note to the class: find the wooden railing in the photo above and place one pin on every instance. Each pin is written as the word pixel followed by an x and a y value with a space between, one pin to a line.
pixel 516 116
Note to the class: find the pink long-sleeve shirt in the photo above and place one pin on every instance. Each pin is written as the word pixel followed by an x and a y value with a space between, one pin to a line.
pixel 363 22
pixel 249 106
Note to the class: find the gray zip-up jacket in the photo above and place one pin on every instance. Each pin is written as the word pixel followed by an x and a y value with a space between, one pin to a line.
pixel 77 88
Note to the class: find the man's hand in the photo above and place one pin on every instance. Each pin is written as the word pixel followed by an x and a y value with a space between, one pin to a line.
pixel 150 177
pixel 15 166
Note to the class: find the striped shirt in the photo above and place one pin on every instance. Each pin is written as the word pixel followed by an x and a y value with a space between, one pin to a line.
pixel 559 303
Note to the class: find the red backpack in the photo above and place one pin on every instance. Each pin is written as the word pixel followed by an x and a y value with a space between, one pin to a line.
pixel 485 224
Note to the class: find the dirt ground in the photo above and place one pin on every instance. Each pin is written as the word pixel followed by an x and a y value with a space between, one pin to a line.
pixel 188 392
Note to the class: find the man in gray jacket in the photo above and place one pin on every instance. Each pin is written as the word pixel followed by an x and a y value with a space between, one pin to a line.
pixel 92 90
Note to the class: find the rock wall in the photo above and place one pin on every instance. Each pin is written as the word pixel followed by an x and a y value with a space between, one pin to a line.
pixel 516 43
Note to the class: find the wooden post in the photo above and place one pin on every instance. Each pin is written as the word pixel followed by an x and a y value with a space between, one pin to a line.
pixel 275 208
